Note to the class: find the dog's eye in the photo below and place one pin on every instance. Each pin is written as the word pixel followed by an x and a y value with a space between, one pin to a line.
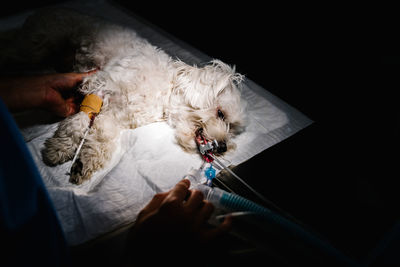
pixel 220 114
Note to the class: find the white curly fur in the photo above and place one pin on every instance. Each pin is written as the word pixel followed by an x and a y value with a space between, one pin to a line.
pixel 139 83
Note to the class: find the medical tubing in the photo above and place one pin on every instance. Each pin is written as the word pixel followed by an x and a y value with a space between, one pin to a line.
pixel 233 202
pixel 230 201
pixel 240 179
pixel 194 176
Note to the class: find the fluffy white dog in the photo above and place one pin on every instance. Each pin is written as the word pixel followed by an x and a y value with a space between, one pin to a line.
pixel 138 83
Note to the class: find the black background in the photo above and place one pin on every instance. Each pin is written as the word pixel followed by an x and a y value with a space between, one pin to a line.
pixel 333 63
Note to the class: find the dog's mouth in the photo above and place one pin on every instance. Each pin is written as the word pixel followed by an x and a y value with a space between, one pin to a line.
pixel 207 146
pixel 199 137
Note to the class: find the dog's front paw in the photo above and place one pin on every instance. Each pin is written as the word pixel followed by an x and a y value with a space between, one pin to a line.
pixel 76 172
pixel 78 175
pixel 56 152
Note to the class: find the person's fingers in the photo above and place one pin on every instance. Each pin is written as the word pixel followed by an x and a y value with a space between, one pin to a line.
pixel 195 200
pixel 223 228
pixel 54 102
pixel 79 76
pixel 179 192
pixel 204 214
pixel 68 81
pixel 63 110
pixel 72 106
pixel 155 202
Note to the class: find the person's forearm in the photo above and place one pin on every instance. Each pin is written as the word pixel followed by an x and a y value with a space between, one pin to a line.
pixel 51 92
pixel 8 92
pixel 18 93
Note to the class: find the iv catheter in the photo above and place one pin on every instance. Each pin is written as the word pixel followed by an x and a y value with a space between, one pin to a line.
pixel 80 146
pixel 91 105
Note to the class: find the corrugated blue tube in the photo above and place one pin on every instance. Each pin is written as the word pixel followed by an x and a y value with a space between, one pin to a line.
pixel 234 203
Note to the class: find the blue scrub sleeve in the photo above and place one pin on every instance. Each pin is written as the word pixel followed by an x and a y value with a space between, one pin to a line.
pixel 30 231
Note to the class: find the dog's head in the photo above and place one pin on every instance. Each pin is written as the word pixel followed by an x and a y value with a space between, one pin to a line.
pixel 205 105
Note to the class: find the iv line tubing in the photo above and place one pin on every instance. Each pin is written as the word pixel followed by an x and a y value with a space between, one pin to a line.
pixel 78 150
pixel 240 179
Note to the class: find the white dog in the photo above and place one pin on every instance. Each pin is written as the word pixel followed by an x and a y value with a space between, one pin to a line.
pixel 138 83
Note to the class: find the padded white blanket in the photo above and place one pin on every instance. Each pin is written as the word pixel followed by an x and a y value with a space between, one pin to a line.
pixel 147 159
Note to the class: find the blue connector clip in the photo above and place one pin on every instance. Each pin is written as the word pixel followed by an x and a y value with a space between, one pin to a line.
pixel 210 174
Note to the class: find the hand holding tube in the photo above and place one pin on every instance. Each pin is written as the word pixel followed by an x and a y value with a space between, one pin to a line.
pixel 175 221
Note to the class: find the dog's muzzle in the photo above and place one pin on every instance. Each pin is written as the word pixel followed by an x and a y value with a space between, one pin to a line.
pixel 221 148
pixel 206 146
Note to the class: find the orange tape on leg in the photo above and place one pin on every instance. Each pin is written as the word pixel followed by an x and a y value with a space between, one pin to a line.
pixel 91 105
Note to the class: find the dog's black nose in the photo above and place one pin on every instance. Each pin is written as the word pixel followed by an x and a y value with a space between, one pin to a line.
pixel 221 147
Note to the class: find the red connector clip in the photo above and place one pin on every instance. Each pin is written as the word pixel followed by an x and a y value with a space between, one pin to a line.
pixel 205 148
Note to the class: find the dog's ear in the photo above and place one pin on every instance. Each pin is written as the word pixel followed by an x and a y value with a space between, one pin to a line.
pixel 190 86
pixel 200 87
pixel 226 76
